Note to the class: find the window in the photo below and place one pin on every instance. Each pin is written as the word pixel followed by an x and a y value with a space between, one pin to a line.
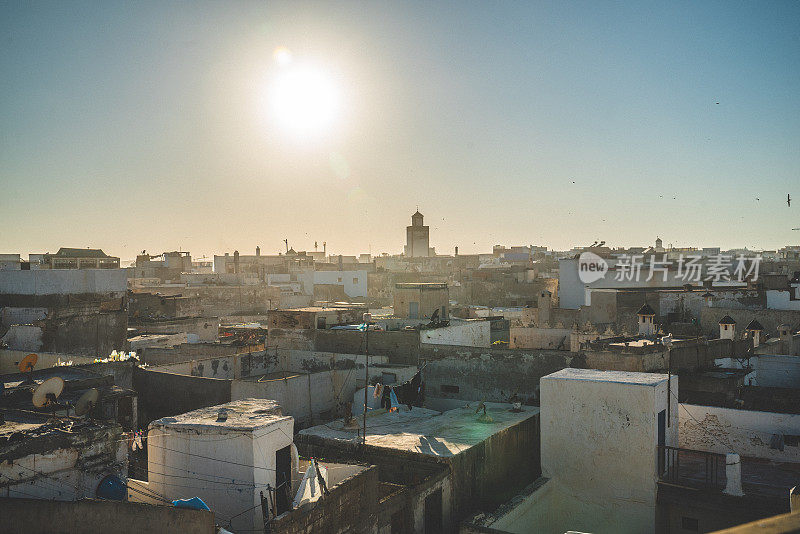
pixel 445 388
pixel 355 280
pixel 339 279
pixel 690 523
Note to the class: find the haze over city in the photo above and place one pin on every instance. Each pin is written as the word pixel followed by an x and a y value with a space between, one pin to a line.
pixel 159 125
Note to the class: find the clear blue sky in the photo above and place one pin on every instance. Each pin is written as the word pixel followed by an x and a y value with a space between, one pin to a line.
pixel 140 125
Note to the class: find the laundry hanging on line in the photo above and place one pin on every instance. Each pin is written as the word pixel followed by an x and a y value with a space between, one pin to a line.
pixel 410 393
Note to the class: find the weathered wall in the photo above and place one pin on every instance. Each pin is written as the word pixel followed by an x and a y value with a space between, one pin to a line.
pixel 218 300
pixel 206 328
pixel 153 306
pixel 34 516
pixel 769 319
pixel 401 346
pixel 464 333
pixel 192 351
pixel 64 282
pixel 311 397
pixel 749 433
pixel 186 393
pixel 531 337
pixel 493 375
pixel 232 366
pixel 61 466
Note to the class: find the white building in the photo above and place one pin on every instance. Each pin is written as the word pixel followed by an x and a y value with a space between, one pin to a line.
pixel 226 454
pixel 600 461
pixel 354 283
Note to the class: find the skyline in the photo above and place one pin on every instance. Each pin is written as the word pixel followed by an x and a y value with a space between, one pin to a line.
pixel 130 127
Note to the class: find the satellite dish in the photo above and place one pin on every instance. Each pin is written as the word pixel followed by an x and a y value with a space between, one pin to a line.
pixel 48 391
pixel 87 401
pixel 27 363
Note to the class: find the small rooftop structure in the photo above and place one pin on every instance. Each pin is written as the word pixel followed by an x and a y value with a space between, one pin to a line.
pixel 646 309
pixel 244 415
pixel 727 320
pixel 421 285
pixel 754 325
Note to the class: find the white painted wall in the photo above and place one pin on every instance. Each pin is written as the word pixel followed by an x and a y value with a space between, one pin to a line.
pixel 63 281
pixel 464 333
pixel 748 433
pixel 599 437
pixel 768 370
pixel 226 468
pixel 779 300
pixel 303 396
pixel 354 282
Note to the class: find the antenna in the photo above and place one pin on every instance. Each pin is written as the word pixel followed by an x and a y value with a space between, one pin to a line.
pixel 87 402
pixel 47 392
pixel 27 364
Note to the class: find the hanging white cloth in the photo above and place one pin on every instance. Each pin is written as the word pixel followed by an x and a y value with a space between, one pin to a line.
pixel 310 489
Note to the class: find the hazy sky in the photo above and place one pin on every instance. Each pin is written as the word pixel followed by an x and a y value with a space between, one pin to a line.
pixel 146 125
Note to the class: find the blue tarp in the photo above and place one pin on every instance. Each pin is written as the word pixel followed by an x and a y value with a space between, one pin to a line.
pixel 195 503
pixel 112 488
pixel 361 327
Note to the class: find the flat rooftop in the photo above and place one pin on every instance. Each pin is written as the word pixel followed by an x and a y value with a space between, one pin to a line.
pixel 424 431
pixel 242 415
pixel 421 285
pixel 620 377
pixel 317 309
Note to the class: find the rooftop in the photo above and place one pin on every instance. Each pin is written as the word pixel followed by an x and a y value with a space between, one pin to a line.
pixel 65 252
pixel 619 377
pixel 317 309
pixel 246 414
pixel 421 285
pixel 646 309
pixel 428 432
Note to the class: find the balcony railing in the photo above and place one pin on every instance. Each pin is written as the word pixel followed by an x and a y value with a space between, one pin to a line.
pixel 686 467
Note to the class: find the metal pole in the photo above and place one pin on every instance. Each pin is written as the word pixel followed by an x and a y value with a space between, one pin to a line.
pixel 669 386
pixel 367 317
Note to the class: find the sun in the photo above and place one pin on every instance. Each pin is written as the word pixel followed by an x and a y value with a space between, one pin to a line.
pixel 304 100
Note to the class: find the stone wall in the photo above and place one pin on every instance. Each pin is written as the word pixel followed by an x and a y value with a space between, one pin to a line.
pixel 351 506
pixel 493 375
pixel 34 516
pixel 192 351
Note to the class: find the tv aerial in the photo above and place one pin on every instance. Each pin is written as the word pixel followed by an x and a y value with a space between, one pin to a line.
pixel 47 392
pixel 27 364
pixel 87 402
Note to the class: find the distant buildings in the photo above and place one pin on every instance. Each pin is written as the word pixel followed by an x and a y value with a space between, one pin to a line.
pixel 77 258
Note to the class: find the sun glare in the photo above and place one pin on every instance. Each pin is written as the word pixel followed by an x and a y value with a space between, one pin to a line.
pixel 304 100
